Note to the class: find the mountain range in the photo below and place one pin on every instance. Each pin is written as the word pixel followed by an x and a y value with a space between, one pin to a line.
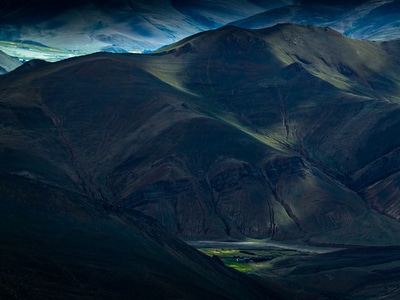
pixel 229 133
pixel 41 29
pixel 286 133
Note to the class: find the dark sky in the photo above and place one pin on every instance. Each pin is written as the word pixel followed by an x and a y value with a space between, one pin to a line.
pixel 29 12
pixel 54 7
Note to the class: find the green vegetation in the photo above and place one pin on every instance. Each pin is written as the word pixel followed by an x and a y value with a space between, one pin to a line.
pixel 229 257
pixel 338 273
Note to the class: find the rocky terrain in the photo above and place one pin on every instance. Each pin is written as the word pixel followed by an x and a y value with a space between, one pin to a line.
pixel 283 133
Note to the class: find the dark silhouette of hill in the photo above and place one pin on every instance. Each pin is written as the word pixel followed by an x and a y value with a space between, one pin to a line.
pixel 57 244
pixel 285 133
pixel 115 26
pixel 358 273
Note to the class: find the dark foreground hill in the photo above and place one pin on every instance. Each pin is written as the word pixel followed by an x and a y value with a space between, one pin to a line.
pixel 57 244
pixel 287 132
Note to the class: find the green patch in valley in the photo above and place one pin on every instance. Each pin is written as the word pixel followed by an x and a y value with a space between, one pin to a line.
pixel 249 261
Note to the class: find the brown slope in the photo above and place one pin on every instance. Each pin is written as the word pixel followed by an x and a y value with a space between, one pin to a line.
pixel 230 133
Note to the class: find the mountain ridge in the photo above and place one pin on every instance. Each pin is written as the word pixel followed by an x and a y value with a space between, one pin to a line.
pixel 206 136
pixel 79 28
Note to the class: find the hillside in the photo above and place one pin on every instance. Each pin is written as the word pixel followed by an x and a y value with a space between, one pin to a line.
pixel 284 133
pixel 42 30
pixel 58 244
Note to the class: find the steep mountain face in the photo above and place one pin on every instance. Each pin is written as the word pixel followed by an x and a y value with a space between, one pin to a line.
pixel 60 245
pixel 281 133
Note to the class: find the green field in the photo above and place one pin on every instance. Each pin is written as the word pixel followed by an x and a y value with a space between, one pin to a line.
pixel 229 257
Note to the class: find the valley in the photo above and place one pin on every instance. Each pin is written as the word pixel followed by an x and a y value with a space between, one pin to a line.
pixel 358 273
pixel 199 150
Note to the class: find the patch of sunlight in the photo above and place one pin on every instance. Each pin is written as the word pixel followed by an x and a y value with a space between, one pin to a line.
pixel 135 51
pixel 337 81
pixel 270 140
pixel 281 54
pixel 219 251
pixel 241 267
pixel 282 217
pixel 169 78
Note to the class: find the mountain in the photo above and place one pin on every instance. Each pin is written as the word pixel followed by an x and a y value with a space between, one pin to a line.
pixel 286 133
pixel 43 30
pixel 8 63
pixel 371 20
pixel 54 32
pixel 57 244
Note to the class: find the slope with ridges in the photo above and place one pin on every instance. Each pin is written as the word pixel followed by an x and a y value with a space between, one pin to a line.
pixel 229 133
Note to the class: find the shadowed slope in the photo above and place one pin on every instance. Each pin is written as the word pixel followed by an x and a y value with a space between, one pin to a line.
pixel 229 133
pixel 61 245
pixel 358 273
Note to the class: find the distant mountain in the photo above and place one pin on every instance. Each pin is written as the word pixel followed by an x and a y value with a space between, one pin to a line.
pixel 43 30
pixel 82 27
pixel 358 273
pixel 372 20
pixel 8 63
pixel 287 132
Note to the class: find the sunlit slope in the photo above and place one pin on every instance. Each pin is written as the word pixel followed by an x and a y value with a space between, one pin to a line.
pixel 230 133
pixel 360 67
